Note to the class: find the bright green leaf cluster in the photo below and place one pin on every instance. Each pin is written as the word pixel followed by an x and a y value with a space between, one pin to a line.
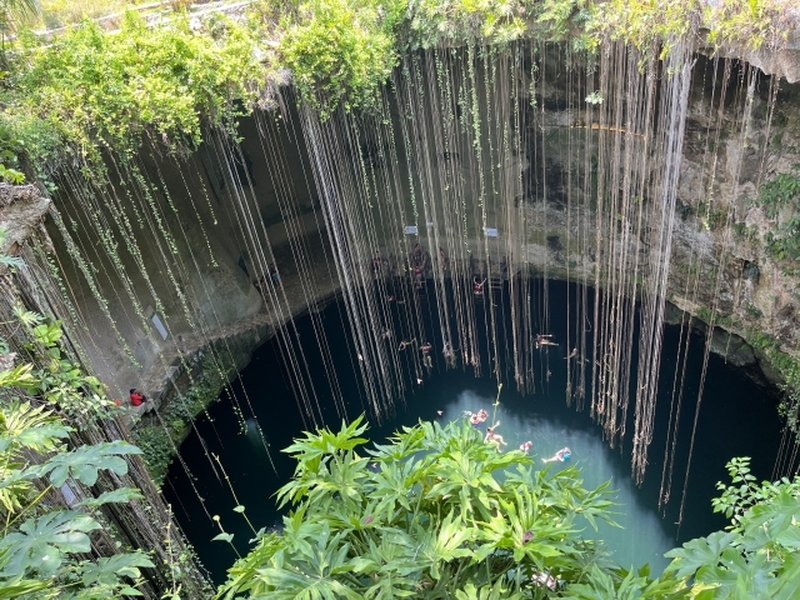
pixel 339 51
pixel 432 514
pixel 759 556
pixel 438 513
pixel 90 87
pixel 39 540
pixel 88 91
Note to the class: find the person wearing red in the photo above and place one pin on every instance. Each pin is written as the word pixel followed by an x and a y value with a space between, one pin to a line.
pixel 137 398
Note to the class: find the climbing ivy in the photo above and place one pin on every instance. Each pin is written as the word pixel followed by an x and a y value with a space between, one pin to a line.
pixel 90 90
pixel 87 90
pixel 340 51
pixel 779 197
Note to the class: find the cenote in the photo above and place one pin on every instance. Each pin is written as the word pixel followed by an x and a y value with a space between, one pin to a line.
pixel 737 418
pixel 274 217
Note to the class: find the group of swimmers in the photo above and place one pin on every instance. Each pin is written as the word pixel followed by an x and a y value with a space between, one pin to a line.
pixel 492 437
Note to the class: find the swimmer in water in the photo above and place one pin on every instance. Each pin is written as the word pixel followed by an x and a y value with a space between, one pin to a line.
pixel 492 437
pixel 562 455
pixel 478 418
pixel 404 344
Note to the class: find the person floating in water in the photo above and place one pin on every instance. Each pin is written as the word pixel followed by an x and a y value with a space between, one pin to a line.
pixel 477 419
pixel 492 437
pixel 544 579
pixel 425 348
pixel 562 455
pixel 405 344
pixel 477 286
pixel 449 355
pixel 526 446
pixel 544 339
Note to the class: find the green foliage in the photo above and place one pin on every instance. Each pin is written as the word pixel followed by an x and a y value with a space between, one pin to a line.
pixel 24 427
pixel 90 87
pixel 60 13
pixel 435 513
pixel 84 463
pixel 40 544
pixel 158 450
pixel 339 51
pixel 789 369
pixel 653 27
pixel 87 90
pixel 620 584
pixel 782 191
pixel 58 380
pixel 11 175
pixel 12 13
pixel 780 199
pixel 40 540
pixel 10 262
pixel 758 556
pixel 430 23
pixel 756 23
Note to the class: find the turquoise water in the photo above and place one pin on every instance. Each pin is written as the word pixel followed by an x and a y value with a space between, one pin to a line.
pixel 736 419
pixel 643 537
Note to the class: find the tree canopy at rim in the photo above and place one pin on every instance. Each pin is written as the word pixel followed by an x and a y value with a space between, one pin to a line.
pixel 89 88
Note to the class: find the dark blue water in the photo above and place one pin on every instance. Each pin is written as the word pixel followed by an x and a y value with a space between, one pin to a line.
pixel 737 418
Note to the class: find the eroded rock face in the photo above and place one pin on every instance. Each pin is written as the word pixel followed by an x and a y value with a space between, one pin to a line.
pixel 718 259
pixel 22 211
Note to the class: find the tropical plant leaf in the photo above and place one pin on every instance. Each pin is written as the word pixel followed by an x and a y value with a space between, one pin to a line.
pixel 21 375
pixel 14 486
pixel 123 494
pixel 84 463
pixel 788 585
pixel 108 570
pixel 25 426
pixel 40 543
pixel 21 588
pixel 700 552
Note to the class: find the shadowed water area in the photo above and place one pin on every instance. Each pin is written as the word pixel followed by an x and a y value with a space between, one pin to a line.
pixel 736 419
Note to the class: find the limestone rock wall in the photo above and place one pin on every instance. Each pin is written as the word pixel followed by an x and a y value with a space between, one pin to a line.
pixel 719 258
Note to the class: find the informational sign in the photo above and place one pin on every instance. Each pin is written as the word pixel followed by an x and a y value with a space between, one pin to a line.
pixel 410 230
pixel 490 231
pixel 159 325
